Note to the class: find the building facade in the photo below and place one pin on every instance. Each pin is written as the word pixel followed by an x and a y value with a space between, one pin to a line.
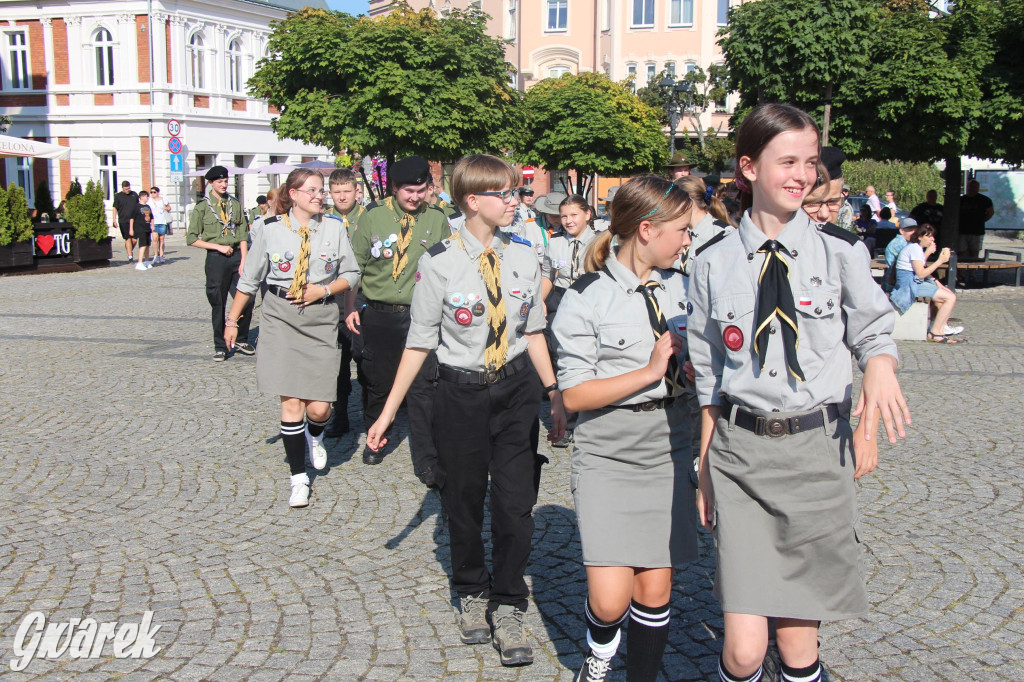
pixel 106 77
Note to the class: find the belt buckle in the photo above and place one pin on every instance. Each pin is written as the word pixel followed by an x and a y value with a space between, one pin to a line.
pixel 649 406
pixel 490 376
pixel 775 427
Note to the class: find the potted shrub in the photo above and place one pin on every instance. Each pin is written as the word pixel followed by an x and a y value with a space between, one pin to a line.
pixel 15 229
pixel 88 219
pixel 45 211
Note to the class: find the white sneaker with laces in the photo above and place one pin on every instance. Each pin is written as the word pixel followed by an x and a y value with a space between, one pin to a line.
pixel 140 266
pixel 300 491
pixel 317 451
pixel 949 331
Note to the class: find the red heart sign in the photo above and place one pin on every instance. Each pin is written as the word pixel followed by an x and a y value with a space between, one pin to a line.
pixel 45 242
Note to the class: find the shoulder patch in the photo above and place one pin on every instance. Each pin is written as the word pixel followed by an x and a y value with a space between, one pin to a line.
pixel 436 208
pixel 839 233
pixel 271 219
pixel 711 242
pixel 720 223
pixel 455 212
pixel 584 281
pixel 372 204
pixel 519 240
pixel 438 248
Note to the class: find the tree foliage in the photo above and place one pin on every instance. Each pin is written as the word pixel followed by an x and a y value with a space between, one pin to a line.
pixel 86 213
pixel 4 122
pixel 404 83
pixel 910 181
pixel 5 219
pixel 705 89
pixel 590 124
pixel 20 229
pixel 44 201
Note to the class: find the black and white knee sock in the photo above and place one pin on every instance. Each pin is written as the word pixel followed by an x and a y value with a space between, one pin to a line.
pixel 316 429
pixel 811 673
pixel 646 639
pixel 725 676
pixel 603 637
pixel 293 435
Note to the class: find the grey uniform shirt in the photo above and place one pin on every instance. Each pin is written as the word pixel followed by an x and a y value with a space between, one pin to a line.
pixel 839 309
pixel 602 329
pixel 450 295
pixel 564 268
pixel 532 232
pixel 275 253
pixel 700 234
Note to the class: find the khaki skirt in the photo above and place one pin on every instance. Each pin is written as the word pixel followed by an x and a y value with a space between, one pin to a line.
pixel 297 355
pixel 785 522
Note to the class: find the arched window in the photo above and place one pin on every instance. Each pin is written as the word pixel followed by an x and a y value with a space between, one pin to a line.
pixel 557 71
pixel 104 45
pixel 235 65
pixel 197 61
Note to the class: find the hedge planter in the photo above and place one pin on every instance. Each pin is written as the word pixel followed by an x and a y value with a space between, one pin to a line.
pixel 16 256
pixel 90 251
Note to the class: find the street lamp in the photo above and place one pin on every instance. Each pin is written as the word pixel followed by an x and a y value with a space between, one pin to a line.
pixel 677 100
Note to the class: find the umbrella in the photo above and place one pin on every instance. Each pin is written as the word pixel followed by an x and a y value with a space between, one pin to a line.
pixel 15 146
pixel 276 169
pixel 317 164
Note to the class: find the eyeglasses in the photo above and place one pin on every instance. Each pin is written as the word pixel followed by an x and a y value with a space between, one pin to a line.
pixel 506 195
pixel 833 205
pixel 313 193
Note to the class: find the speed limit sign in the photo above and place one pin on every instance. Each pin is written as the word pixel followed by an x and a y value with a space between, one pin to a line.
pixel 173 127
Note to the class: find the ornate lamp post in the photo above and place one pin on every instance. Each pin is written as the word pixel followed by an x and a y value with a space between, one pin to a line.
pixel 677 94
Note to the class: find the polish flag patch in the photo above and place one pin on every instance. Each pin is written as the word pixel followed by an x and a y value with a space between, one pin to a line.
pixel 805 301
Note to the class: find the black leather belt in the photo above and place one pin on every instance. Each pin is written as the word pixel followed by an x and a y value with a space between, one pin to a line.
pixel 387 307
pixel 282 292
pixel 648 406
pixel 776 427
pixel 463 376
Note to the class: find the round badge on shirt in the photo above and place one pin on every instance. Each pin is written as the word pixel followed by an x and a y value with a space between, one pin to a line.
pixel 732 336
pixel 285 266
pixel 388 242
pixel 375 252
pixel 275 258
pixel 524 310
pixel 472 298
pixel 387 253
pixel 464 317
pixel 456 300
pixel 329 267
pixel 289 255
pixel 479 308
pixel 393 237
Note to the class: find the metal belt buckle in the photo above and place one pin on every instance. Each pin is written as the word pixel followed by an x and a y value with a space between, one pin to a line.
pixel 775 427
pixel 490 376
pixel 649 406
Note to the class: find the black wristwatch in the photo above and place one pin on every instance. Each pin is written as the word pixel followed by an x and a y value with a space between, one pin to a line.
pixel 552 387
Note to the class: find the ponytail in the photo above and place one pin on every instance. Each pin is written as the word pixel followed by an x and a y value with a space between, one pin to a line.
pixel 718 210
pixel 599 251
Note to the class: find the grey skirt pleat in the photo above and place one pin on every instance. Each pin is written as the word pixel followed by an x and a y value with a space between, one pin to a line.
pixel 785 523
pixel 631 487
pixel 297 354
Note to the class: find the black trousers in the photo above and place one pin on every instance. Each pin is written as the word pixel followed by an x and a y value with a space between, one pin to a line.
pixel 221 280
pixel 483 431
pixel 384 335
pixel 345 371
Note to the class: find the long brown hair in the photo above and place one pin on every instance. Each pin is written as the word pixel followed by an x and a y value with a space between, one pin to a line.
pixel 296 179
pixel 759 128
pixel 697 191
pixel 647 197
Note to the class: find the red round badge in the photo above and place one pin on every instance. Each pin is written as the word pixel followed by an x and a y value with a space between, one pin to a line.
pixel 285 266
pixel 463 316
pixel 418 275
pixel 733 337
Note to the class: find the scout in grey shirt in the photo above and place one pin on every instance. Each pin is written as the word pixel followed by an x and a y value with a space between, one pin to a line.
pixel 777 308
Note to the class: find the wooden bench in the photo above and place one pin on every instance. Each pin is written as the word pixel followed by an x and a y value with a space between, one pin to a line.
pixel 985 265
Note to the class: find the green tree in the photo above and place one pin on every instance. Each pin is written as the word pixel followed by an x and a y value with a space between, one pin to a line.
pixel 4 122
pixel 590 124
pixel 21 223
pixel 44 201
pixel 404 83
pixel 6 225
pixel 74 190
pixel 705 89
pixel 910 181
pixel 1002 88
pixel 799 51
pixel 87 214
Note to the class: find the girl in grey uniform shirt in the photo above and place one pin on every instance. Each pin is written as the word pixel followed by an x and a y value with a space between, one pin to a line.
pixel 619 357
pixel 777 308
pixel 304 264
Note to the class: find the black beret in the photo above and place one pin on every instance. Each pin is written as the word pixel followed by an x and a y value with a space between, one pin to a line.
pixel 412 170
pixel 261 199
pixel 527 190
pixel 832 158
pixel 216 173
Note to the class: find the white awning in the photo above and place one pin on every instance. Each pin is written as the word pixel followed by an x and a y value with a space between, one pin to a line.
pixel 16 146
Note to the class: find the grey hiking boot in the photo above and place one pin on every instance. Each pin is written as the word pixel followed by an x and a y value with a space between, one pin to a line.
pixel 473 620
pixel 509 637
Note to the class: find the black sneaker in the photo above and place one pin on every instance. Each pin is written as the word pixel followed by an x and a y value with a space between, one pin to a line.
pixel 594 669
pixel 245 349
pixel 219 356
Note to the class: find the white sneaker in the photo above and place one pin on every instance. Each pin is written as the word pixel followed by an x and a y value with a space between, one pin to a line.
pixel 300 491
pixel 147 264
pixel 140 266
pixel 949 331
pixel 317 451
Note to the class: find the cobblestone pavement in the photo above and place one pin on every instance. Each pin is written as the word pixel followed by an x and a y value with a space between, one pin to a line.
pixel 139 475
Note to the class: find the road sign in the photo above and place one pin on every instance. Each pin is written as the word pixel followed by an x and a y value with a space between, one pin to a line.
pixel 177 177
pixel 174 144
pixel 173 127
pixel 176 164
pixel 527 172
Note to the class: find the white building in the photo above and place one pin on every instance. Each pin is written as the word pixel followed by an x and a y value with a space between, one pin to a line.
pixel 105 77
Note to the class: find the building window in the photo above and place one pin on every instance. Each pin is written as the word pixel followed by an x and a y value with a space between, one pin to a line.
pixel 631 76
pixel 558 71
pixel 23 177
pixel 104 45
pixel 670 69
pixel 558 15
pixel 108 175
pixel 681 13
pixel 723 12
pixel 197 62
pixel 643 13
pixel 652 71
pixel 691 67
pixel 511 32
pixel 235 65
pixel 17 61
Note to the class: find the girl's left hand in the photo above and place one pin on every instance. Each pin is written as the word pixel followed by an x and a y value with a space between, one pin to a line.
pixel 311 293
pixel 558 420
